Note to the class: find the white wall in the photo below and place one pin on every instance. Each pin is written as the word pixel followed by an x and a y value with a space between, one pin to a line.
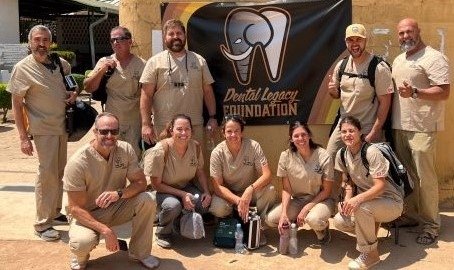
pixel 9 21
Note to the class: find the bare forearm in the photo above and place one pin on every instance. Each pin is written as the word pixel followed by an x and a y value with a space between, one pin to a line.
pixel 210 101
pixel 145 108
pixel 18 107
pixel 438 92
pixel 86 219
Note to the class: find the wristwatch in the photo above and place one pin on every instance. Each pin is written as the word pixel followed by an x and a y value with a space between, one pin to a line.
pixel 120 193
pixel 415 93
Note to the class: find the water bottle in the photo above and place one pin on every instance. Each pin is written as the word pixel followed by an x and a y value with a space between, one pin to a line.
pixel 210 140
pixel 284 239
pixel 239 247
pixel 293 242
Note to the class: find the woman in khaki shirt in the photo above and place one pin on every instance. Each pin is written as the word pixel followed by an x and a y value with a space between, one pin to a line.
pixel 306 171
pixel 240 174
pixel 370 198
pixel 172 165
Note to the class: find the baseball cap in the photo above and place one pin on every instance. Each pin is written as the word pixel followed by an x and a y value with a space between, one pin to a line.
pixel 355 30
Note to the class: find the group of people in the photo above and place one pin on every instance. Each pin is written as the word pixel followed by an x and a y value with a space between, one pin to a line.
pixel 160 101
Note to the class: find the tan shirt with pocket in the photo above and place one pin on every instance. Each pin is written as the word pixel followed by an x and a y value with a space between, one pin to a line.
pixel 306 178
pixel 241 172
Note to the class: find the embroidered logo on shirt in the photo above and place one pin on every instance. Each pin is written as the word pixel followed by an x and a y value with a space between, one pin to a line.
pixel 119 163
pixel 193 162
pixel 248 162
pixel 318 169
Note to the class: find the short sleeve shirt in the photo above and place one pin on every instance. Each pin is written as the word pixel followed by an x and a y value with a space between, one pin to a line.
pixel 378 167
pixel 358 97
pixel 44 93
pixel 240 172
pixel 164 162
pixel 306 178
pixel 123 89
pixel 88 171
pixel 179 86
pixel 426 68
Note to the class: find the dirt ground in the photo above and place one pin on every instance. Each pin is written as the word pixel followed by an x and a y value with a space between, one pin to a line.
pixel 21 249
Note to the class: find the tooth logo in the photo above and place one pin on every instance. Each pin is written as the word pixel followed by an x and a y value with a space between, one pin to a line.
pixel 247 30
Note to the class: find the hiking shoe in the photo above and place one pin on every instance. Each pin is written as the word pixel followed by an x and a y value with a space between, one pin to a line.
pixel 149 262
pixel 61 219
pixel 49 234
pixel 74 264
pixel 326 238
pixel 263 239
pixel 364 261
pixel 164 241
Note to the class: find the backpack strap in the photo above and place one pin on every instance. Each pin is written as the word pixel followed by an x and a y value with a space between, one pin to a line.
pixel 341 72
pixel 55 58
pixel 364 148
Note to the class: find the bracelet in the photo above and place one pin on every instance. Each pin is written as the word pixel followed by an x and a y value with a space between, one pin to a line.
pixel 213 116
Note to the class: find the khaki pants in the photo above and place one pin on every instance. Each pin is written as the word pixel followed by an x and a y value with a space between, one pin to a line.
pixel 263 200
pixel 317 218
pixel 51 150
pixel 141 209
pixel 131 132
pixel 365 218
pixel 417 150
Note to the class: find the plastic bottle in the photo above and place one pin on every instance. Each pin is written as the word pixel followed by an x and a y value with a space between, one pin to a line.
pixel 239 246
pixel 293 242
pixel 284 239
pixel 210 140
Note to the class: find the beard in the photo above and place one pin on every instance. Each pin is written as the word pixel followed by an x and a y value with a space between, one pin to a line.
pixel 409 45
pixel 356 53
pixel 175 45
pixel 39 51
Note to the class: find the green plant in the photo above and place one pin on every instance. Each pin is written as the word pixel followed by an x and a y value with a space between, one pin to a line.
pixel 79 80
pixel 67 55
pixel 5 101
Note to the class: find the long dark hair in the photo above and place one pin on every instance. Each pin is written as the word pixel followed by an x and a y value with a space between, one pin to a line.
pixel 296 125
pixel 167 132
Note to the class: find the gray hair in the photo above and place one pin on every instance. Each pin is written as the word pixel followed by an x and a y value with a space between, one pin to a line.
pixel 39 27
pixel 105 114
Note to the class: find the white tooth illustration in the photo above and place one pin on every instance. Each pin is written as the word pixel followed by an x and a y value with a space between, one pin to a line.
pixel 246 30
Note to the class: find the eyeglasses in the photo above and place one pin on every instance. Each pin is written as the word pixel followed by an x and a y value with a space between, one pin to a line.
pixel 105 132
pixel 119 39
pixel 235 117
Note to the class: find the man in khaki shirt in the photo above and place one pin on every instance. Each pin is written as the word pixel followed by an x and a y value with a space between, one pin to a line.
pixel 422 77
pixel 123 88
pixel 37 89
pixel 98 197
pixel 358 98
pixel 176 81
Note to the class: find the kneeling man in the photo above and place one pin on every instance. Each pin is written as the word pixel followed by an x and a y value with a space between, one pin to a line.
pixel 95 180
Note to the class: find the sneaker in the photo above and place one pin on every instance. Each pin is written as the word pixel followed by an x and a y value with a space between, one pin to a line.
pixel 61 219
pixel 365 261
pixel 149 262
pixel 49 234
pixel 164 241
pixel 263 239
pixel 326 238
pixel 74 264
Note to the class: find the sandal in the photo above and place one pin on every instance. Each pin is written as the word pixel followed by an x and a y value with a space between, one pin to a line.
pixel 426 238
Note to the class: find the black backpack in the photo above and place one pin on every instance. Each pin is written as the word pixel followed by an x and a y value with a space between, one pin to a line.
pixel 371 77
pixel 397 173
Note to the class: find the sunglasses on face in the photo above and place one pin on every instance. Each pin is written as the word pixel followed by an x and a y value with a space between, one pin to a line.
pixel 105 132
pixel 119 39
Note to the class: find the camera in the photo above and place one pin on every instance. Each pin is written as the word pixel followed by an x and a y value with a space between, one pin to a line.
pixel 70 82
